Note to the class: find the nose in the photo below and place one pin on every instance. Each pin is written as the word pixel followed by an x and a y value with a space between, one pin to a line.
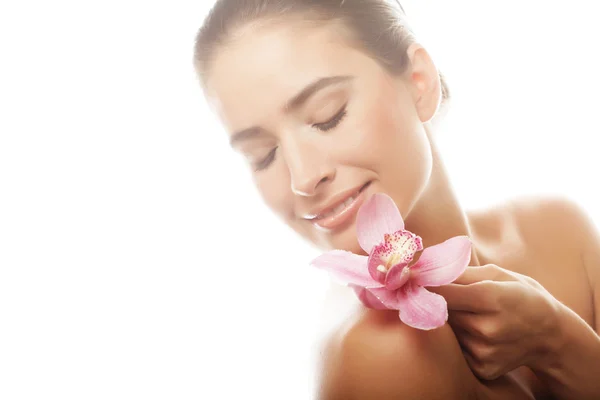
pixel 310 167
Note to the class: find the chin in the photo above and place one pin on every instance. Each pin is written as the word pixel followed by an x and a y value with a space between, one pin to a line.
pixel 342 240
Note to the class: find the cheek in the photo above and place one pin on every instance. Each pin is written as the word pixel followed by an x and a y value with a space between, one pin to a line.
pixel 406 173
pixel 394 145
pixel 274 187
pixel 384 136
pixel 275 190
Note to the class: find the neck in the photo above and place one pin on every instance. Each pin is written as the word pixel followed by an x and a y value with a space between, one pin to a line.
pixel 438 215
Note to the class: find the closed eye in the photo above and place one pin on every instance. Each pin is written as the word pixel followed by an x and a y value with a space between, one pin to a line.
pixel 324 126
pixel 333 122
pixel 265 162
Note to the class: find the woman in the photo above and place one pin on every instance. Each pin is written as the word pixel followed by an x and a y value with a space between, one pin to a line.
pixel 332 101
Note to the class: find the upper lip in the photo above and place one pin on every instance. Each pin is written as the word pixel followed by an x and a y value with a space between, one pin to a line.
pixel 332 203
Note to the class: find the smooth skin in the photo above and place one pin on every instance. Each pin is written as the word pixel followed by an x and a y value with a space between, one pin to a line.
pixel 528 299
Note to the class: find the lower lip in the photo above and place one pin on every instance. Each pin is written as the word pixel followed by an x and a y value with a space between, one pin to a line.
pixel 345 215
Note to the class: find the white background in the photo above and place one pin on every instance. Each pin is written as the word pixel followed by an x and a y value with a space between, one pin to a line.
pixel 136 259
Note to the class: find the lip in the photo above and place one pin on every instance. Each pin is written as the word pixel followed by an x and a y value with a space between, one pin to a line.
pixel 346 214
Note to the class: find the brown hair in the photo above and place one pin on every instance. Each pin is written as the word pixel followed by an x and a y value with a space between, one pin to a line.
pixel 378 26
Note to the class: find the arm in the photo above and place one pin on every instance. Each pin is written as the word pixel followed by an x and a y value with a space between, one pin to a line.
pixel 505 320
pixel 380 358
pixel 571 365
pixel 591 261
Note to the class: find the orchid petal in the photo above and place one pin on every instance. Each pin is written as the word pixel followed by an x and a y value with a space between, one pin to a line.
pixel 420 308
pixel 398 248
pixel 376 217
pixel 368 298
pixel 443 263
pixel 346 267
pixel 397 277
pixel 387 297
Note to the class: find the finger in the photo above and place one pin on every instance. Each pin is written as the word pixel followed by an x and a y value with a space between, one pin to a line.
pixel 465 340
pixel 462 336
pixel 469 324
pixel 473 364
pixel 469 346
pixel 480 369
pixel 477 297
pixel 461 320
pixel 488 272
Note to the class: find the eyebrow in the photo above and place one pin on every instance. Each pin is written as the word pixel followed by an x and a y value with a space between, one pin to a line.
pixel 293 104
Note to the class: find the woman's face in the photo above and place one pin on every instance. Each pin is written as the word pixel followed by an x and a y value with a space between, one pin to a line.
pixel 322 125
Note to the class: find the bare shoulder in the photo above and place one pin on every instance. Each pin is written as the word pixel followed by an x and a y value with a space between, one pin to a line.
pixel 539 224
pixel 375 356
pixel 540 217
pixel 567 245
pixel 566 229
pixel 550 239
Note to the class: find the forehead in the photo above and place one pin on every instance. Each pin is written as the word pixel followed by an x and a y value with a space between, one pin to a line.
pixel 262 67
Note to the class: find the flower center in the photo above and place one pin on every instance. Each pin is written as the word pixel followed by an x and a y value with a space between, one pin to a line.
pixel 394 258
pixel 396 250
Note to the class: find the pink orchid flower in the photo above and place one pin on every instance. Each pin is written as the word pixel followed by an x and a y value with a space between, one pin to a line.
pixel 385 279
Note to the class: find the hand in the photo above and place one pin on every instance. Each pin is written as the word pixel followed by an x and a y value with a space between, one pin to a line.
pixel 502 319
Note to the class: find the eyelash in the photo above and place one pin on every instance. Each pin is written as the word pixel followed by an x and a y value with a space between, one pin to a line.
pixel 266 161
pixel 333 122
pixel 325 126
